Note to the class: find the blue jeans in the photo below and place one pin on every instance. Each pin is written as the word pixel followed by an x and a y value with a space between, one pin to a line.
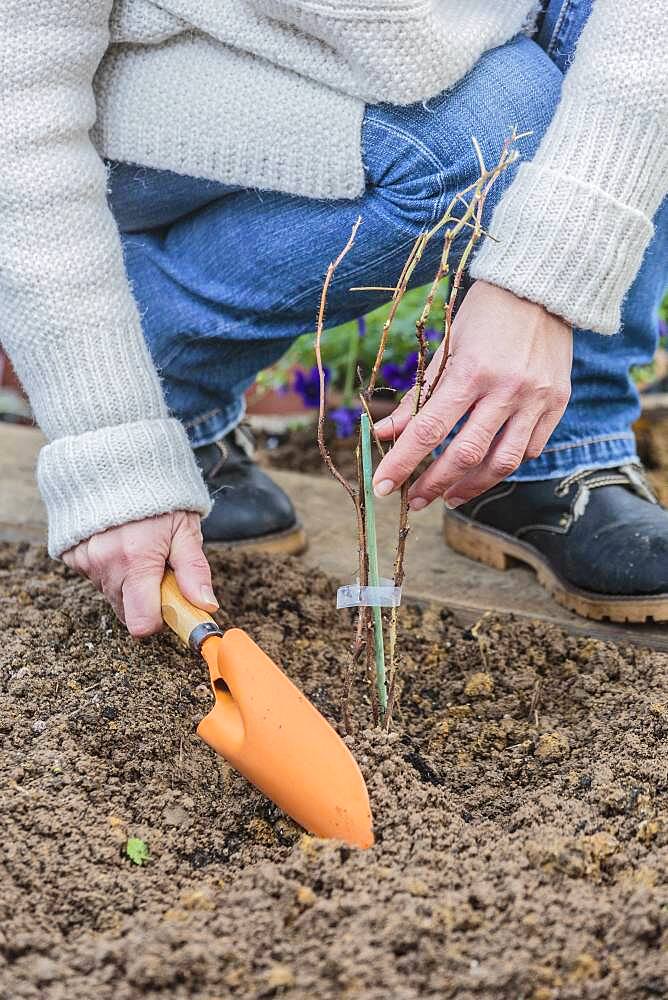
pixel 225 278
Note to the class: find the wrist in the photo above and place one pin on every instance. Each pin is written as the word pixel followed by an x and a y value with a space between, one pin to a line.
pixel 114 475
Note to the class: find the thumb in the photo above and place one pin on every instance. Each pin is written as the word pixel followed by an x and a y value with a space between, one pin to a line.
pixel 190 566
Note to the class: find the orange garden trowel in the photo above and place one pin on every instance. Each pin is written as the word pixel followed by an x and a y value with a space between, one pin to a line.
pixel 269 731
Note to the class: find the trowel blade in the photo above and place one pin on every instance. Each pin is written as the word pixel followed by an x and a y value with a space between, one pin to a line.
pixel 269 731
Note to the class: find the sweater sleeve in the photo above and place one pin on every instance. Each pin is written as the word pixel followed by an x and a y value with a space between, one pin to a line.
pixel 574 224
pixel 69 322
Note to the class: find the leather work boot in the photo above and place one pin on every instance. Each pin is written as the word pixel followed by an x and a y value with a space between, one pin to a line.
pixel 597 539
pixel 249 510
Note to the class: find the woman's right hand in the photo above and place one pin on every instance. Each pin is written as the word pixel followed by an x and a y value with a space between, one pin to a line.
pixel 127 564
pixel 509 370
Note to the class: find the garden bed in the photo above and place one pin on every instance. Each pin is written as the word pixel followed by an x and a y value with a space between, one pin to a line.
pixel 520 808
pixel 297 450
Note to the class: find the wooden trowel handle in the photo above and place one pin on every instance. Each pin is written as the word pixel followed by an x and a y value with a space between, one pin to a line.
pixel 191 624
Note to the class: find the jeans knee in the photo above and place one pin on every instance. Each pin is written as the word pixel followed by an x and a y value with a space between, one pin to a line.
pixel 404 175
pixel 420 155
pixel 522 83
pixel 513 87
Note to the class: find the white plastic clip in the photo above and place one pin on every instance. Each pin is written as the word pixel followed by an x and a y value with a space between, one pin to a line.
pixel 354 596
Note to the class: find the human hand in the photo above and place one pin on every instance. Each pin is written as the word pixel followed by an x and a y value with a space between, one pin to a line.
pixel 127 564
pixel 509 369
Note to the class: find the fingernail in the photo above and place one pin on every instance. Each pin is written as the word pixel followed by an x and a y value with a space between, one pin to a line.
pixel 452 502
pixel 383 488
pixel 417 503
pixel 380 425
pixel 208 597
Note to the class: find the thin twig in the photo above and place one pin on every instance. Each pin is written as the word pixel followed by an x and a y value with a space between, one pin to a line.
pixel 404 278
pixel 324 451
pixel 475 209
pixel 451 225
pixel 478 153
pixel 327 458
pixel 376 439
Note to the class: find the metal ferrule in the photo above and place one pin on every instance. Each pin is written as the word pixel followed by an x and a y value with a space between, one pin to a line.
pixel 202 632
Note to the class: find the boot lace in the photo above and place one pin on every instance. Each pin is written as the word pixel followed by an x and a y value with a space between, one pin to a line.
pixel 632 474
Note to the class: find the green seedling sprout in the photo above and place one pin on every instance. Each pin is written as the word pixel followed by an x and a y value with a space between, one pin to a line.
pixel 137 851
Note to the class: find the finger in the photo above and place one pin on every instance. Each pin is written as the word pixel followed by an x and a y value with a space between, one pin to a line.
pixel 464 453
pixel 80 560
pixel 542 433
pixel 115 599
pixel 504 457
pixel 423 433
pixel 109 565
pixel 391 427
pixel 112 588
pixel 141 599
pixel 190 566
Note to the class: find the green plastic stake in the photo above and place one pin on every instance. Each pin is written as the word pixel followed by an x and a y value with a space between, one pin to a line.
pixel 372 554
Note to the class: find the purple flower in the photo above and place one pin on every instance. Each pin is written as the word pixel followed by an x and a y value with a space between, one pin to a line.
pixel 361 326
pixel 307 385
pixel 400 376
pixel 345 420
pixel 433 335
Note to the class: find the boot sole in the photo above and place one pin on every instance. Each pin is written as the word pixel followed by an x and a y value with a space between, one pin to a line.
pixel 501 551
pixel 291 542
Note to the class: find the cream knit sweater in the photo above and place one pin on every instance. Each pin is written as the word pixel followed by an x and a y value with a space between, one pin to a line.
pixel 271 94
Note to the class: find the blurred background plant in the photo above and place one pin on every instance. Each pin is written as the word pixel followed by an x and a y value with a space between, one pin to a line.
pixel 352 347
pixel 345 348
pixel 349 352
pixel 653 378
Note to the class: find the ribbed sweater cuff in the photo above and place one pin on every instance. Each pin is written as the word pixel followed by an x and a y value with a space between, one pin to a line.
pixel 565 244
pixel 117 474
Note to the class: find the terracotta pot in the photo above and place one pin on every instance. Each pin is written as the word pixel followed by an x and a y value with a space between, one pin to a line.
pixel 8 378
pixel 276 412
pixel 272 407
pixel 381 405
pixel 14 406
pixel 270 402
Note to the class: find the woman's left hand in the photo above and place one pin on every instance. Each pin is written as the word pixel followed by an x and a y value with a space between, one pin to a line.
pixel 509 370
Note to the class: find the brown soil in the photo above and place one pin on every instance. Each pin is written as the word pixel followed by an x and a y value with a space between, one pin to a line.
pixel 521 811
pixel 298 451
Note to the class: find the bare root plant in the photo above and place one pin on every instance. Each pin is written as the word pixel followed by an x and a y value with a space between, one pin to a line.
pixel 462 219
